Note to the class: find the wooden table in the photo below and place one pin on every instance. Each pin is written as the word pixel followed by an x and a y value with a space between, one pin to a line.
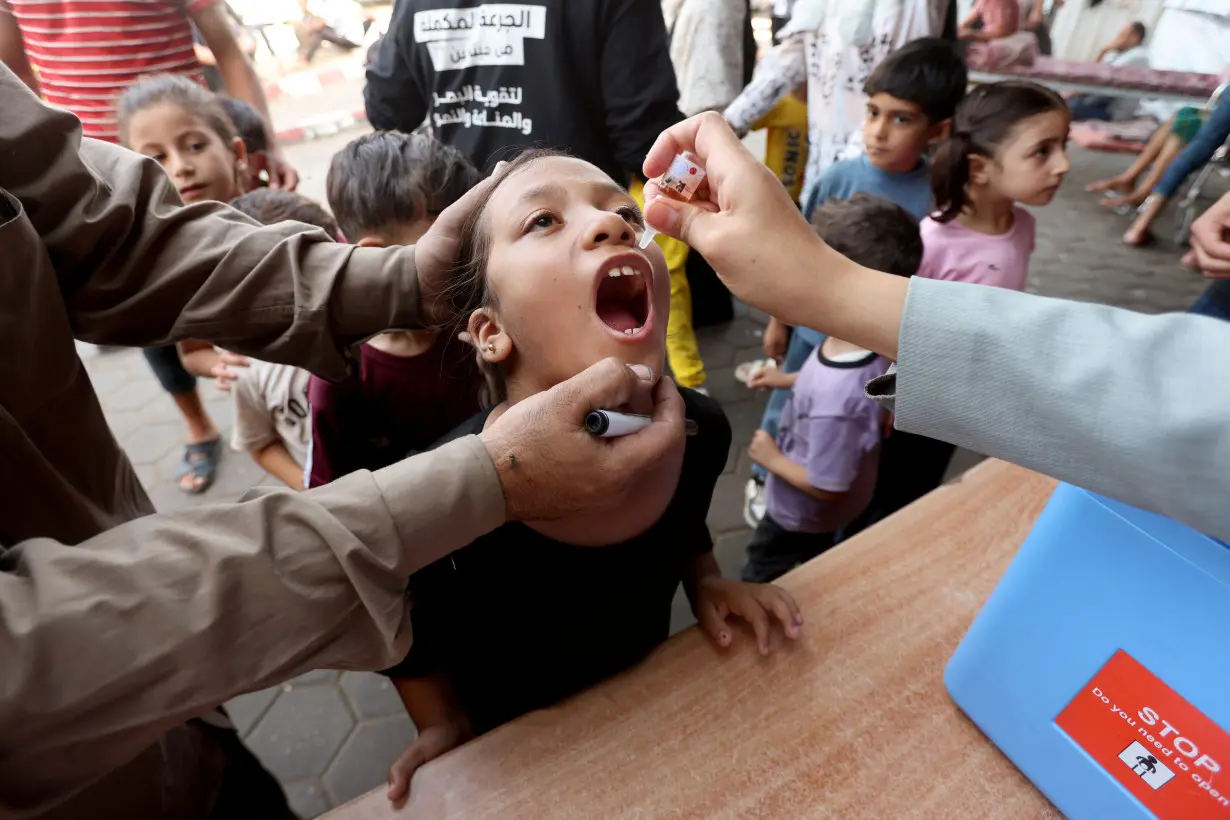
pixel 853 721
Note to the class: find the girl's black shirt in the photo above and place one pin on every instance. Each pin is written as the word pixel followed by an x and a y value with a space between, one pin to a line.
pixel 518 621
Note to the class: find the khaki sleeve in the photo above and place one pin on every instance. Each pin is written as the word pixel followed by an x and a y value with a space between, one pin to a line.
pixel 108 643
pixel 137 268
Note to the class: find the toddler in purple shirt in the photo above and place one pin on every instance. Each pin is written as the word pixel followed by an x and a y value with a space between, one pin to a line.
pixel 823 465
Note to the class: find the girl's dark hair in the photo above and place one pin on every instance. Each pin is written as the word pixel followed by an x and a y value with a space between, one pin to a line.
pixel 249 123
pixel 468 288
pixel 984 120
pixel 269 206
pixel 381 182
pixel 173 89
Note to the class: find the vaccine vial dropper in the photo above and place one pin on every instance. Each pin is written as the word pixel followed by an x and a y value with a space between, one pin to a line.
pixel 679 182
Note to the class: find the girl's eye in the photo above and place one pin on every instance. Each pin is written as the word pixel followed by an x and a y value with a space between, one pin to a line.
pixel 632 215
pixel 543 220
pixel 196 147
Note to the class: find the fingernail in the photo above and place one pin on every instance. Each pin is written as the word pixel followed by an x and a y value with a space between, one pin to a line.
pixel 643 372
pixel 661 215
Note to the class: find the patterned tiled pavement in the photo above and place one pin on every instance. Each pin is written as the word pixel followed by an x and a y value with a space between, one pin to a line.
pixel 330 736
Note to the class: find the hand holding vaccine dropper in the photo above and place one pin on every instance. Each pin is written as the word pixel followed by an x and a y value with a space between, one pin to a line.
pixel 681 182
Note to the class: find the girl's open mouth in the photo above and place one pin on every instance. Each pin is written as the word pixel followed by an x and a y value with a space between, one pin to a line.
pixel 622 300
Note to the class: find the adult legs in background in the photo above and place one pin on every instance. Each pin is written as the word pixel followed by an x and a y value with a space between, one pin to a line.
pixel 201 454
pixel 773 551
pixel 1215 301
pixel 1199 150
pixel 682 349
pixel 1134 198
pixel 318 35
pixel 1043 33
pixel 1089 107
pixel 1126 181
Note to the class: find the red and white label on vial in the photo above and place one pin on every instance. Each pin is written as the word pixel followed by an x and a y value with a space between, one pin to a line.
pixel 1165 751
pixel 682 178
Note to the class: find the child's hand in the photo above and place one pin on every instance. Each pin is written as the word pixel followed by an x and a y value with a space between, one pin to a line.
pixel 222 373
pixel 763 449
pixel 776 339
pixel 770 378
pixel 430 744
pixel 717 598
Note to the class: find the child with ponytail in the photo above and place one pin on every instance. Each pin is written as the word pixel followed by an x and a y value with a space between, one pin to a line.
pixel 1006 149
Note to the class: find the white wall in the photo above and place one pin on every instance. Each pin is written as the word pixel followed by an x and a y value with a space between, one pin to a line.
pixel 1080 32
pixel 1191 41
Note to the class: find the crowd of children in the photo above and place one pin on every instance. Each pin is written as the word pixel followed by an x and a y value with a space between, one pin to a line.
pixel 551 279
pixel 961 165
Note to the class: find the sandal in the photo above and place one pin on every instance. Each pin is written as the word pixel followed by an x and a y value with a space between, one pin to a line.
pixel 201 462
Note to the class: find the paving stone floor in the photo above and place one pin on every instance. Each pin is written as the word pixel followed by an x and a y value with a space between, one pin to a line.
pixel 330 736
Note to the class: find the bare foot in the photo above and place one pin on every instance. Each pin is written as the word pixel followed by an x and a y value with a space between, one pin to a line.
pixel 1138 234
pixel 1130 200
pixel 1119 184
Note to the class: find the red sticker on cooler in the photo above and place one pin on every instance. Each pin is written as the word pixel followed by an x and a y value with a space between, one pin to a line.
pixel 1161 748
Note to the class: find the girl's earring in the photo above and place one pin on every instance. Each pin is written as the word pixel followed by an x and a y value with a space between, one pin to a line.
pixel 490 347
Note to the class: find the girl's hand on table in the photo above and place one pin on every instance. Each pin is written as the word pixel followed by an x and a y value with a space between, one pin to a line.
pixel 432 742
pixel 717 598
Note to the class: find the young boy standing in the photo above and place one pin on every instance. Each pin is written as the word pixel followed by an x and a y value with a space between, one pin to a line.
pixel 911 97
pixel 823 465
pixel 271 404
pixel 411 386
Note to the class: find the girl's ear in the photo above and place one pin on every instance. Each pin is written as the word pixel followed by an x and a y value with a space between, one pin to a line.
pixel 493 343
pixel 240 153
pixel 978 169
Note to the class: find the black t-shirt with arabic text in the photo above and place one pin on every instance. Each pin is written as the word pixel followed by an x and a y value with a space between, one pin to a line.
pixel 592 77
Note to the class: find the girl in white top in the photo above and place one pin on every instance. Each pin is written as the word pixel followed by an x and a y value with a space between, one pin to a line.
pixel 833 45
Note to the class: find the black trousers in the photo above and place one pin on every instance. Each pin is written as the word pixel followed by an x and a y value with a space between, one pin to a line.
pixel 774 551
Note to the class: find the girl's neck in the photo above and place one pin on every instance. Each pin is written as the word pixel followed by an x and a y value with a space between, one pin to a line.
pixel 988 213
pixel 404 343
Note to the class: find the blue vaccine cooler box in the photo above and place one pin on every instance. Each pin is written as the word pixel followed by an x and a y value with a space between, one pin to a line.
pixel 1101 663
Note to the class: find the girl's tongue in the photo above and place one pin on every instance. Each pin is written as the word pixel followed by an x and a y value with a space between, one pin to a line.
pixel 623 302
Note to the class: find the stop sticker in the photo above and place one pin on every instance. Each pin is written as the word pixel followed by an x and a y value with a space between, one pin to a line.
pixel 1163 750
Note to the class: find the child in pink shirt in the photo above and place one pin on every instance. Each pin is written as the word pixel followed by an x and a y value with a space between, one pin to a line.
pixel 1007 147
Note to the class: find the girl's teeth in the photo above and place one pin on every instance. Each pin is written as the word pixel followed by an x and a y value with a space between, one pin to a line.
pixel 628 270
pixel 632 331
pixel 613 272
